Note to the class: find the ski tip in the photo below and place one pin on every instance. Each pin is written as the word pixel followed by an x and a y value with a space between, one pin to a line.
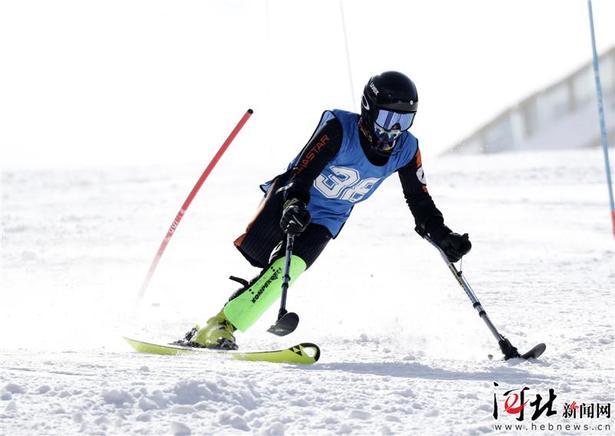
pixel 308 349
pixel 250 111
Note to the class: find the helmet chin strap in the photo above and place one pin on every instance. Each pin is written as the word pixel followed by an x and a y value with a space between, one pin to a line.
pixel 388 152
pixel 364 130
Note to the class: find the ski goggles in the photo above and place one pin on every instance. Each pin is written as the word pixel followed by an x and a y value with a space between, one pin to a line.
pixel 391 121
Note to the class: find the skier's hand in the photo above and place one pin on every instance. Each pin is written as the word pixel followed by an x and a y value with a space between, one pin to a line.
pixel 295 216
pixel 454 245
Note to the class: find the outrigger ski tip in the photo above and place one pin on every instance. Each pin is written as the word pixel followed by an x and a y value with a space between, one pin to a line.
pixel 511 352
pixel 284 325
pixel 535 352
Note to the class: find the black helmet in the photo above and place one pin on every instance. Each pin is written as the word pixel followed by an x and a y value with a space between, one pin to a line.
pixel 388 106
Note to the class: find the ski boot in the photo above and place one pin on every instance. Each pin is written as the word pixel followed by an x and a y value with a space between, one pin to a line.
pixel 217 334
pixel 185 342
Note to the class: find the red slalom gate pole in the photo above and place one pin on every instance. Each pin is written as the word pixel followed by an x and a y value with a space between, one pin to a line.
pixel 191 196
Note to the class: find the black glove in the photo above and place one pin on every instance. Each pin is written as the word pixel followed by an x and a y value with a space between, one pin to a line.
pixel 295 216
pixel 454 245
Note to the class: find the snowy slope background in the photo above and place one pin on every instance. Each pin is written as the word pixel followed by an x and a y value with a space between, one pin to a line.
pixel 110 111
pixel 403 350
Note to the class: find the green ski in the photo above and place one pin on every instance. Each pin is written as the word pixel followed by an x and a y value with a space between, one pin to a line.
pixel 304 354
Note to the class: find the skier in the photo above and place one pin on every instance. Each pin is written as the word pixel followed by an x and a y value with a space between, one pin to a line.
pixel 346 159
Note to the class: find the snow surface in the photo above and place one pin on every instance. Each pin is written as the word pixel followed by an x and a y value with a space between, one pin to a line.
pixel 403 352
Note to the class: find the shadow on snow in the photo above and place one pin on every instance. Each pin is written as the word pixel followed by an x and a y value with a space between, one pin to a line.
pixel 413 370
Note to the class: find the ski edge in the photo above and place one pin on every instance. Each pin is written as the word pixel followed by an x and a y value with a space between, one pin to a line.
pixel 305 353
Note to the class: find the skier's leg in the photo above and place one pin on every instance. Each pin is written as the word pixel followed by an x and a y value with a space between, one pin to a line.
pixel 263 233
pixel 256 244
pixel 248 304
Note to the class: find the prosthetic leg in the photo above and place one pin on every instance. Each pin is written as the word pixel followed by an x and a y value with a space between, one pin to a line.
pixel 247 305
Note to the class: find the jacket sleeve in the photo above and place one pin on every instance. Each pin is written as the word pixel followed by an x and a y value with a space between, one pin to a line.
pixel 427 217
pixel 320 150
